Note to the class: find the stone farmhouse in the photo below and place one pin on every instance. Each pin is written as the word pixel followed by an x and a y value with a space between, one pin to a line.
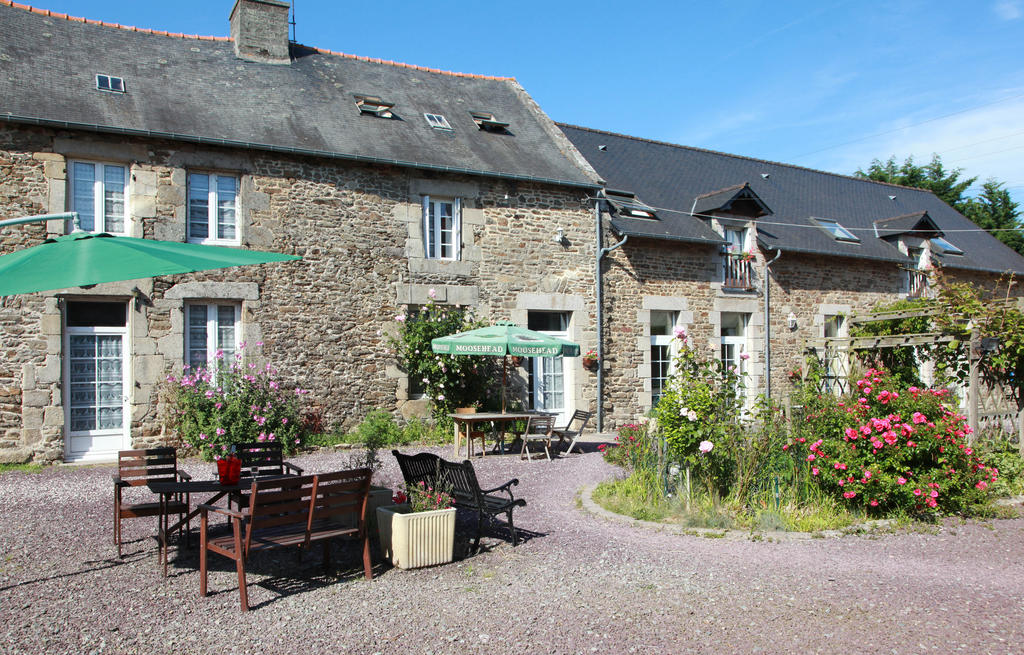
pixel 391 180
pixel 755 257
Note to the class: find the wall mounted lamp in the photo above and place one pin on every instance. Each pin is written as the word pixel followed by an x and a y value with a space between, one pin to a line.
pixel 791 321
pixel 559 237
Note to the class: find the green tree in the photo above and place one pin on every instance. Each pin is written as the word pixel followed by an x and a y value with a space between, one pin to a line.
pixel 992 210
pixel 995 210
pixel 946 184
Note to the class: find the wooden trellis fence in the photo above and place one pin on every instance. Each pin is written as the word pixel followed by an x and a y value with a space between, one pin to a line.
pixel 988 408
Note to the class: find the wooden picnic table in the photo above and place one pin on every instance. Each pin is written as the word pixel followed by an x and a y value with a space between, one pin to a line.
pixel 500 418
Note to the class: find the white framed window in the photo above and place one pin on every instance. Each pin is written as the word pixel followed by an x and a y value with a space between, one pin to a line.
pixel 437 121
pixel 734 340
pixel 213 208
pixel 98 193
pixel 736 240
pixel 662 333
pixel 212 329
pixel 442 228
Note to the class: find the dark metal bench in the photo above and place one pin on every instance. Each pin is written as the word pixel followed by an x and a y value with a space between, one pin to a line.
pixel 459 480
pixel 291 511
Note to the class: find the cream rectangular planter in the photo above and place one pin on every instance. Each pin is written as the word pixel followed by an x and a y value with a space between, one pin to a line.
pixel 414 539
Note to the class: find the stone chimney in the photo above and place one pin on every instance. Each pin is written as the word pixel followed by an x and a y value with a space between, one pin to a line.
pixel 259 29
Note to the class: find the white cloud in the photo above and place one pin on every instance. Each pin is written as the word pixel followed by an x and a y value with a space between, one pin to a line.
pixel 1008 9
pixel 986 142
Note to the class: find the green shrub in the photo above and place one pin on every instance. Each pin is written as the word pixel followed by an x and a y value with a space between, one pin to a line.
pixel 449 381
pixel 234 402
pixel 1004 457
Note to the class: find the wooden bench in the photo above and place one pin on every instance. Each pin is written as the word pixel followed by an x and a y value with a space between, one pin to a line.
pixel 290 511
pixel 459 480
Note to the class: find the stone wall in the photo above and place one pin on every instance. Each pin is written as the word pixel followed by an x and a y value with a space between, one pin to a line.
pixel 646 275
pixel 324 320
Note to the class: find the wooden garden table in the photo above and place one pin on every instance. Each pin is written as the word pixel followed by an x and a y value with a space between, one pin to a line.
pixel 467 420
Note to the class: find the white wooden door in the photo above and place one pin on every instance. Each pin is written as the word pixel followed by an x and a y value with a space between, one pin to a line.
pixel 96 411
pixel 549 373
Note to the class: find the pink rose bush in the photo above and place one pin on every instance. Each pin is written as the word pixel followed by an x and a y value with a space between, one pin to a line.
pixel 231 402
pixel 888 450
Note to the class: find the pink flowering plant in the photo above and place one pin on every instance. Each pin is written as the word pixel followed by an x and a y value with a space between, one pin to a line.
pixel 448 381
pixel 231 402
pixel 889 450
pixel 423 497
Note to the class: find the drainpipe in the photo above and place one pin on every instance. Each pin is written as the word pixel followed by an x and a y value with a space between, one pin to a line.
pixel 768 325
pixel 601 252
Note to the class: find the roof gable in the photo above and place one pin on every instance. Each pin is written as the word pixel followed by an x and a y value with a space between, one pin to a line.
pixel 736 199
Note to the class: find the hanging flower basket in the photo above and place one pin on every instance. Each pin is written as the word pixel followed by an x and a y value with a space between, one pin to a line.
pixel 590 360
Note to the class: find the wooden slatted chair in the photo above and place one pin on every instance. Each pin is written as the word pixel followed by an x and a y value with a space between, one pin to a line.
pixel 340 511
pixel 572 430
pixel 137 468
pixel 538 430
pixel 261 459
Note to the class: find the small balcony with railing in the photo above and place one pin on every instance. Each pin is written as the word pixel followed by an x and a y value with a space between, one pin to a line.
pixel 917 284
pixel 738 271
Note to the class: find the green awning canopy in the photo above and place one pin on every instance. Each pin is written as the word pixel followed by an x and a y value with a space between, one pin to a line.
pixel 84 259
pixel 504 338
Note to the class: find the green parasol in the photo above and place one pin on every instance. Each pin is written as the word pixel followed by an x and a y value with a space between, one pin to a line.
pixel 502 339
pixel 83 259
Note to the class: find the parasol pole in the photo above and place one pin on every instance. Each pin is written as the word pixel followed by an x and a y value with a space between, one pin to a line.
pixel 504 375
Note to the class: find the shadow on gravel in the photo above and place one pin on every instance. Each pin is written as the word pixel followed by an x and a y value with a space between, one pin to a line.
pixel 91 567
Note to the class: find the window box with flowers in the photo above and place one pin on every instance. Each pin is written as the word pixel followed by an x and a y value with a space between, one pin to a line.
pixel 591 360
pixel 419 529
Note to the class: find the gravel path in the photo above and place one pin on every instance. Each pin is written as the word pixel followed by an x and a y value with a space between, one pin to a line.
pixel 578 584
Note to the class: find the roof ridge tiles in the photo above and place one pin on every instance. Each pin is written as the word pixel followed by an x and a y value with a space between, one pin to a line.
pixel 180 35
pixel 398 64
pixel 735 156
pixel 92 21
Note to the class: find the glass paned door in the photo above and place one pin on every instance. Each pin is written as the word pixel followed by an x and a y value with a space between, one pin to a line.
pixel 96 407
pixel 549 373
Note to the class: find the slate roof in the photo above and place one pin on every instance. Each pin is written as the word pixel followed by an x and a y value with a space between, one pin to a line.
pixel 670 177
pixel 724 198
pixel 194 88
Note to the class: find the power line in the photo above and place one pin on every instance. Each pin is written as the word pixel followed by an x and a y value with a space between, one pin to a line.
pixel 815 227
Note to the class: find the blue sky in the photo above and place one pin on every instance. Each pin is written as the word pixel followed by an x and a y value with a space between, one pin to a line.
pixel 829 85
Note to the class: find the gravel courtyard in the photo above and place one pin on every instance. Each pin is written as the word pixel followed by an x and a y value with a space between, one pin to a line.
pixel 579 583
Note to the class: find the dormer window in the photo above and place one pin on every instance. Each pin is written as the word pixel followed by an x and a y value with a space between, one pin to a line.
pixel 838 232
pixel 487 122
pixel 945 247
pixel 375 106
pixel 437 121
pixel 627 205
pixel 109 83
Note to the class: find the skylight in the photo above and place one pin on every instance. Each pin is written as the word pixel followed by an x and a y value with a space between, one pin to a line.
pixel 628 205
pixel 487 122
pixel 109 83
pixel 946 247
pixel 437 121
pixel 375 106
pixel 838 232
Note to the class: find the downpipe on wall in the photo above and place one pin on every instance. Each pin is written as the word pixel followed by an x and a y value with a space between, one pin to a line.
pixel 601 252
pixel 768 325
